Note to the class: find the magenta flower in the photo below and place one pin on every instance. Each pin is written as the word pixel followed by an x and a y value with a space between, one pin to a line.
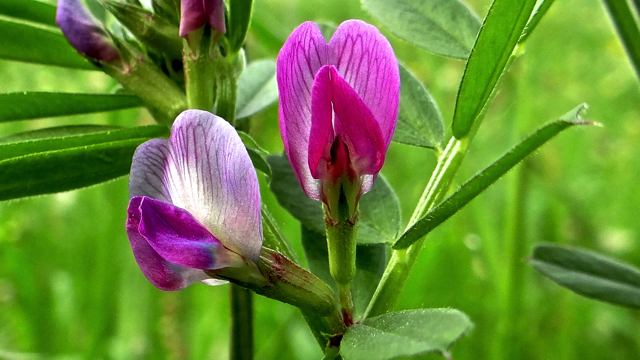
pixel 195 13
pixel 338 107
pixel 195 203
pixel 84 32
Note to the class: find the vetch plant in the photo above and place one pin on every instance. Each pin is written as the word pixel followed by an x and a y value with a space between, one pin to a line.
pixel 195 211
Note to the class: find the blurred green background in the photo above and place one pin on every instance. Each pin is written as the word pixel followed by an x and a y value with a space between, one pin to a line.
pixel 70 288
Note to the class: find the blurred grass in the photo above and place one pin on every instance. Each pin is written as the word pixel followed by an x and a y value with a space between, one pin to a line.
pixel 70 289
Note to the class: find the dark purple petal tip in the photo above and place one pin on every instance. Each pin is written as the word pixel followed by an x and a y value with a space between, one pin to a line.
pixel 195 13
pixel 84 32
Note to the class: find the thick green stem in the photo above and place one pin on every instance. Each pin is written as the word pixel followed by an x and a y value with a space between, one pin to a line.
pixel 402 261
pixel 200 70
pixel 241 324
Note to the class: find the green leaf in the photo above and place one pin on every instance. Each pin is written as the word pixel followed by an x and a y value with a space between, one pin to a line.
pixel 238 23
pixel 371 261
pixel 589 274
pixel 257 154
pixel 58 131
pixel 61 138
pixel 63 170
pixel 486 178
pixel 500 32
pixel 34 105
pixel 40 45
pixel 30 10
pixel 380 219
pixel 257 88
pixel 380 214
pixel 273 237
pixel 419 120
pixel 445 27
pixel 404 333
pixel 626 23
pixel 48 165
pixel 538 14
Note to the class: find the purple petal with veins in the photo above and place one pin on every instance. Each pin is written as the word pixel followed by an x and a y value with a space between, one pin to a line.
pixel 195 13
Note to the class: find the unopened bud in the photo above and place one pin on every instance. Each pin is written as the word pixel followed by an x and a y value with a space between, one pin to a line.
pixel 84 32
pixel 195 13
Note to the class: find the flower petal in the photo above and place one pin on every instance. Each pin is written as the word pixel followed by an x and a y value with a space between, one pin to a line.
pixel 366 61
pixel 192 16
pixel 322 134
pixel 215 12
pixel 302 55
pixel 83 31
pixel 209 174
pixel 148 175
pixel 161 273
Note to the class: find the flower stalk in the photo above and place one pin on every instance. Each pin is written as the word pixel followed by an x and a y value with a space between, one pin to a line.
pixel 200 69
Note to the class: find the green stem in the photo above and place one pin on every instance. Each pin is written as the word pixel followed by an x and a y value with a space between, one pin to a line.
pixel 200 70
pixel 241 323
pixel 402 261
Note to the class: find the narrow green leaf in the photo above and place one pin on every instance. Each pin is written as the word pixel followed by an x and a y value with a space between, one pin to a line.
pixel 63 170
pixel 380 214
pixel 589 274
pixel 56 132
pixel 30 10
pixel 419 120
pixel 40 45
pixel 257 154
pixel 538 14
pixel 273 237
pixel 486 178
pixel 38 145
pixel 34 105
pixel 379 208
pixel 445 27
pixel 628 29
pixel 257 88
pixel 371 261
pixel 239 21
pixel 404 333
pixel 498 37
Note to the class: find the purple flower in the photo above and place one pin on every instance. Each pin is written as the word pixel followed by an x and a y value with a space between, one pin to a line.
pixel 338 107
pixel 84 32
pixel 195 13
pixel 195 203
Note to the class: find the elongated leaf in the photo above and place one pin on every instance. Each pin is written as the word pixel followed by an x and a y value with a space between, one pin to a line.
pixel 371 261
pixel 379 208
pixel 239 21
pixel 63 170
pixel 500 33
pixel 589 274
pixel 445 27
pixel 538 14
pixel 257 154
pixel 40 45
pixel 419 120
pixel 486 178
pixel 404 333
pixel 628 29
pixel 257 88
pixel 34 105
pixel 56 132
pixel 38 145
pixel 30 10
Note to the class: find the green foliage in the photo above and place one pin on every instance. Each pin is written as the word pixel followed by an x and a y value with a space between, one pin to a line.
pixel 257 88
pixel 444 27
pixel 500 33
pixel 34 105
pixel 628 27
pixel 486 178
pixel 238 23
pixel 35 44
pixel 419 120
pixel 405 333
pixel 589 274
pixel 47 165
pixel 29 10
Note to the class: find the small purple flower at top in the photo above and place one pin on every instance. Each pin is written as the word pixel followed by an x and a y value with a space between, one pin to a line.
pixel 338 108
pixel 84 32
pixel 195 203
pixel 196 13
